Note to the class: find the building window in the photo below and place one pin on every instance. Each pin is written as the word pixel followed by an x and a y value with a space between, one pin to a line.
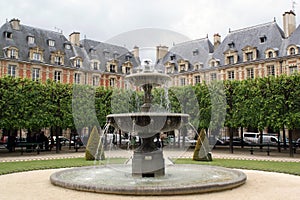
pixel 36 56
pixel 263 39
pixel 57 76
pixel 293 69
pixel 231 45
pixel 292 51
pixel 213 76
pixel 67 46
pixel 11 70
pixel 77 78
pixel 230 75
pixel 250 73
pixel 51 43
pixel 112 82
pixel 182 82
pixel 96 80
pixel 271 70
pixel 13 54
pixel 95 65
pixel 230 60
pixel 270 54
pixel 30 40
pixel 195 52
pixel 169 70
pixel 77 63
pixel 127 70
pixel 58 60
pixel 8 35
pixel 182 68
pixel 249 56
pixel 112 68
pixel 35 74
pixel 197 79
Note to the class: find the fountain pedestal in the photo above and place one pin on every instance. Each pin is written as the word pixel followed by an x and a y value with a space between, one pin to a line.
pixel 148 160
pixel 149 164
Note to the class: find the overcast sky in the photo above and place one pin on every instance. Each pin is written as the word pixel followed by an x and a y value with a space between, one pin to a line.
pixel 102 20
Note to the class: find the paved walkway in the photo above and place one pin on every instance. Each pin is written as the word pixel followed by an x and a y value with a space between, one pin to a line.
pixel 240 154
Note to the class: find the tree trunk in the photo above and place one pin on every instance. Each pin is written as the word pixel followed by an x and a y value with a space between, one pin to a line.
pixel 231 140
pixel 290 133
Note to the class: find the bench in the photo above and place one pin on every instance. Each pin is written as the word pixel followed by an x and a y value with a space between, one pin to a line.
pixel 29 145
pixel 259 145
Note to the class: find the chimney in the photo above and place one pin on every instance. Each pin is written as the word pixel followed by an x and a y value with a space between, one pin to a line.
pixel 75 38
pixel 161 51
pixel 136 51
pixel 15 23
pixel 289 23
pixel 217 40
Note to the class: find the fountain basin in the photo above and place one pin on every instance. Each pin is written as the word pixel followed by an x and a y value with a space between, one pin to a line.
pixel 179 179
pixel 153 78
pixel 146 124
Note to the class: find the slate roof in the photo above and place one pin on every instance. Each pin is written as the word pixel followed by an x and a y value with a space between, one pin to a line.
pixel 251 37
pixel 294 39
pixel 194 51
pixel 19 39
pixel 104 53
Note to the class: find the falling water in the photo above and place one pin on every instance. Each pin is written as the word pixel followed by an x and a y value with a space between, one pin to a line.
pixel 167 98
pixel 100 143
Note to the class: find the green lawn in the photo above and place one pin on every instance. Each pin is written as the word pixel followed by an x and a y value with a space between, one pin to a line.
pixel 272 166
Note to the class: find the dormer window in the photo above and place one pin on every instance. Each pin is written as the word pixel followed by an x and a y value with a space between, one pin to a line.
pixel 230 60
pixel 249 53
pixel 12 52
pixel 95 65
pixel 128 57
pixel 173 57
pixel 36 54
pixel 51 43
pixel 78 63
pixel 195 52
pixel 30 39
pixel 263 39
pixel 270 54
pixel 231 45
pixel 112 68
pixel 292 51
pixel 57 58
pixel 67 46
pixel 249 56
pixel 8 35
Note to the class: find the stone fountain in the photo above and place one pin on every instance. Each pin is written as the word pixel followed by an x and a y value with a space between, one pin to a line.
pixel 148 175
pixel 148 159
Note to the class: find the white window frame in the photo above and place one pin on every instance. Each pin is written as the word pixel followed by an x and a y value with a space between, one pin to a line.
pixel 77 78
pixel 250 73
pixel 271 70
pixel 57 76
pixel 35 74
pixel 11 70
pixel 231 75
pixel 96 80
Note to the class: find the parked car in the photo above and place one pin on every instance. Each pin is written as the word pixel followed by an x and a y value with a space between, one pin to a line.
pixel 298 142
pixel 63 141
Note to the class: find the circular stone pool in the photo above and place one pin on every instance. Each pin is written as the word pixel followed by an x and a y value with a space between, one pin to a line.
pixel 179 179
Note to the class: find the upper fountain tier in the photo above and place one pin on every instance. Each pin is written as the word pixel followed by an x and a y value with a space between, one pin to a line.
pixel 148 75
